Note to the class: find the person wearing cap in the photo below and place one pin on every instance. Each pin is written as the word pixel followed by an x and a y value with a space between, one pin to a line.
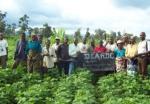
pixel 34 58
pixel 3 51
pixel 119 53
pixel 49 55
pixel 20 52
pixel 143 54
pixel 111 45
pixel 100 48
pixel 83 46
pixel 73 53
pixel 63 57
pixel 55 47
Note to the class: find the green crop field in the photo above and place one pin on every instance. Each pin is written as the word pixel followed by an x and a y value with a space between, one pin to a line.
pixel 21 87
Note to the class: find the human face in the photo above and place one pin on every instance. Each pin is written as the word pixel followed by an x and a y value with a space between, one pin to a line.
pixel 111 41
pixel 65 40
pixel 132 40
pixel 120 45
pixel 142 36
pixel 22 36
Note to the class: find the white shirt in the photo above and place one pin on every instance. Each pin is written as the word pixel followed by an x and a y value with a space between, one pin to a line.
pixel 142 46
pixel 73 50
pixel 55 46
pixel 3 46
pixel 111 47
pixel 48 61
pixel 83 47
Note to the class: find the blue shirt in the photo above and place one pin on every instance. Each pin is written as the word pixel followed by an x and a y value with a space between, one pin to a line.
pixel 119 53
pixel 34 45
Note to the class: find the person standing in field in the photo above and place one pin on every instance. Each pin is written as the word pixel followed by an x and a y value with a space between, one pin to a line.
pixel 49 55
pixel 73 53
pixel 131 49
pixel 34 58
pixel 143 54
pixel 55 47
pixel 20 52
pixel 3 51
pixel 63 57
pixel 100 48
pixel 110 46
pixel 83 46
pixel 119 53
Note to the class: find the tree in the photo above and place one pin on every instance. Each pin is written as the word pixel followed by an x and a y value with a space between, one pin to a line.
pixel 99 32
pixel 77 34
pixel 2 21
pixel 30 30
pixel 36 30
pixel 14 27
pixel 8 29
pixel 87 33
pixel 23 23
pixel 47 32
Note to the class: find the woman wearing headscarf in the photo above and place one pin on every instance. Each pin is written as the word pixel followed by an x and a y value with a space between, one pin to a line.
pixel 34 58
pixel 119 53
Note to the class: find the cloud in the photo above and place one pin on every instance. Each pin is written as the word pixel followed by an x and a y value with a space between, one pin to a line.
pixel 118 15
pixel 141 4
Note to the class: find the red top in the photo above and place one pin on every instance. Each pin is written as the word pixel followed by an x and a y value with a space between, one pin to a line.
pixel 100 49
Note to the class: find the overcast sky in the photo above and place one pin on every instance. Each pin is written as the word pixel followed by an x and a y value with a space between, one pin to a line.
pixel 131 16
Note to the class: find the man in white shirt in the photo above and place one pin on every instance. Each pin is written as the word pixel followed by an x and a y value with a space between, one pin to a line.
pixel 143 54
pixel 73 53
pixel 111 45
pixel 3 51
pixel 83 46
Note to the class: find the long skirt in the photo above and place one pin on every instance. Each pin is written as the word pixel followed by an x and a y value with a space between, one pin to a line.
pixel 34 62
pixel 120 64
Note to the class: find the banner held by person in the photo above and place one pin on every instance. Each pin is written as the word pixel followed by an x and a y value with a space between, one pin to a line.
pixel 99 61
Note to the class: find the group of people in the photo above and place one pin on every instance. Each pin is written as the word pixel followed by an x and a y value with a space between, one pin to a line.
pixel 37 56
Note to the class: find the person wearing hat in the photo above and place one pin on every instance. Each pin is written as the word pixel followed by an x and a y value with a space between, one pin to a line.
pixel 100 48
pixel 55 47
pixel 63 57
pixel 20 54
pixel 34 58
pixel 3 51
pixel 73 53
pixel 119 53
pixel 143 54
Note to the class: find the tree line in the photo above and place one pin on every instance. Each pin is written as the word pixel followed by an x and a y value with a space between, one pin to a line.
pixel 47 30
